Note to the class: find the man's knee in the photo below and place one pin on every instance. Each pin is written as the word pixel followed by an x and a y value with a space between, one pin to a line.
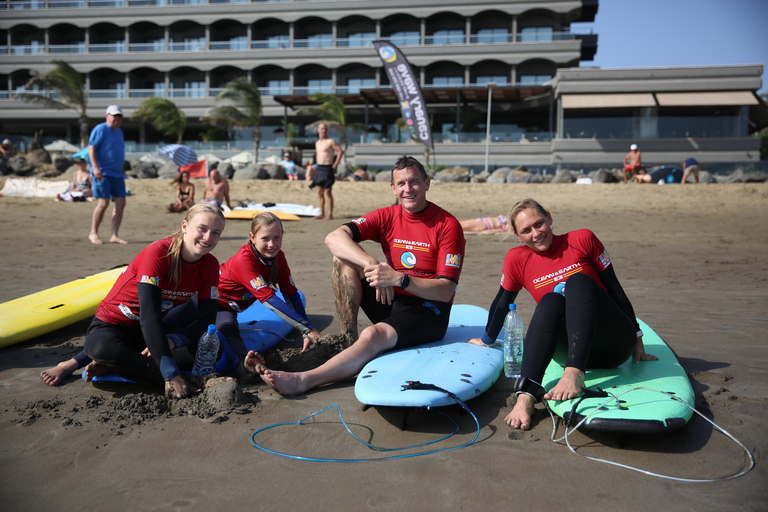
pixel 379 337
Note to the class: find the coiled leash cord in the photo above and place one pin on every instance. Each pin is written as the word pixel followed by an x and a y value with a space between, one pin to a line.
pixel 409 385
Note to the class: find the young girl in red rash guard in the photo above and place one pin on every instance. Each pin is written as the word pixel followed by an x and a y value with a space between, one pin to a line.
pixel 254 273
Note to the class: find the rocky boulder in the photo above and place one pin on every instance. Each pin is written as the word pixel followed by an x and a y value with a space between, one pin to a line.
pixel 275 172
pixel 19 166
pixel 143 169
pixel 168 170
pixel 602 176
pixel 564 176
pixel 38 156
pixel 453 175
pixel 62 163
pixel 251 172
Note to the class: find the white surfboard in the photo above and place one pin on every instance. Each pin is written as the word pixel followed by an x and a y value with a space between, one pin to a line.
pixel 452 364
pixel 296 209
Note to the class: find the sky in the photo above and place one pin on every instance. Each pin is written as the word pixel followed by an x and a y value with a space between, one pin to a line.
pixel 663 33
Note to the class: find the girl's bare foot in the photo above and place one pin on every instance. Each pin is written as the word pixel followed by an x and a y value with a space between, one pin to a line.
pixel 570 385
pixel 254 363
pixel 114 239
pixel 285 383
pixel 95 239
pixel 54 376
pixel 93 369
pixel 522 412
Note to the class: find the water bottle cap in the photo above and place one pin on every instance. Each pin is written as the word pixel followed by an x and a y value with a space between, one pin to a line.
pixel 211 329
pixel 513 307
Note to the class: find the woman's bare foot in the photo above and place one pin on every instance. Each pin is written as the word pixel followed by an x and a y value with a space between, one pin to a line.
pixel 522 412
pixel 570 385
pixel 93 369
pixel 114 239
pixel 285 383
pixel 95 239
pixel 54 376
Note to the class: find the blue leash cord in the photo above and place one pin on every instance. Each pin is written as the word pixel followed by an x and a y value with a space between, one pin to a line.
pixel 373 447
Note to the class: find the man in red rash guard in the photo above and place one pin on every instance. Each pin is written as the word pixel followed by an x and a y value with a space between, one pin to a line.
pixel 408 297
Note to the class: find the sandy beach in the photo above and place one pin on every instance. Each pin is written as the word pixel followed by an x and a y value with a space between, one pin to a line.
pixel 693 260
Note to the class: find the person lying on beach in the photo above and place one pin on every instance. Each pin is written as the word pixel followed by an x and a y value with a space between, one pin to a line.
pixel 129 332
pixel 587 323
pixel 254 273
pixel 408 298
pixel 497 224
pixel 185 193
pixel 80 190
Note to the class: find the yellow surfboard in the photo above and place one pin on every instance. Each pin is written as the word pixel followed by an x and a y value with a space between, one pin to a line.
pixel 250 214
pixel 42 312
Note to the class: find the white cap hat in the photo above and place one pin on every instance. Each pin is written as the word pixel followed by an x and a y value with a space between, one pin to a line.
pixel 633 146
pixel 114 110
pixel 7 141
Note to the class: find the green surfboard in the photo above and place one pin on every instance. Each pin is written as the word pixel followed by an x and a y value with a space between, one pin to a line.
pixel 638 411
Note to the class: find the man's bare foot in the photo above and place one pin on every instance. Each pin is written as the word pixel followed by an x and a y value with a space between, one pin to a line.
pixel 114 239
pixel 570 385
pixel 318 217
pixel 93 369
pixel 94 238
pixel 521 414
pixel 328 217
pixel 54 376
pixel 285 383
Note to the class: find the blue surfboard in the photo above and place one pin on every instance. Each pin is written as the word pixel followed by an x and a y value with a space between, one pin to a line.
pixel 452 364
pixel 260 329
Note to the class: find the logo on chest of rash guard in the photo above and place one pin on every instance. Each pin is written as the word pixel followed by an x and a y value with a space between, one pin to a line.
pixel 408 259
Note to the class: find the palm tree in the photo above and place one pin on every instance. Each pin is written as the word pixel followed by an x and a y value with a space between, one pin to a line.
pixel 333 114
pixel 164 115
pixel 67 90
pixel 244 112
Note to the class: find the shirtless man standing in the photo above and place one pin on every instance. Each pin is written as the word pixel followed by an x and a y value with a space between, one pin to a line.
pixel 217 189
pixel 631 162
pixel 325 173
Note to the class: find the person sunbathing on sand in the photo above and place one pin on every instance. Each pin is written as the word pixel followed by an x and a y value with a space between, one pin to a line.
pixel 586 323
pixel 498 224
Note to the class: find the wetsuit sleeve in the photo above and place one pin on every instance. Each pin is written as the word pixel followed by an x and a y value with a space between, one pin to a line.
pixel 288 315
pixel 151 319
pixel 497 314
pixel 206 315
pixel 612 285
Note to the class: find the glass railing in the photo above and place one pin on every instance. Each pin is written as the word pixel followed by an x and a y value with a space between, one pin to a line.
pixel 146 47
pixel 107 93
pixel 270 44
pixel 107 47
pixel 490 38
pixel 447 39
pixel 354 42
pixel 67 48
pixel 414 40
pixel 274 91
pixel 145 3
pixel 546 37
pixel 229 45
pixel 301 90
pixel 146 93
pixel 66 4
pixel 27 49
pixel 4 95
pixel 186 2
pixel 312 43
pixel 106 3
pixel 27 4
pixel 187 93
pixel 193 46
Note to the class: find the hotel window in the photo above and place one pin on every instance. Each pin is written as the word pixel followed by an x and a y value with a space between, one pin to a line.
pixel 492 35
pixel 405 38
pixel 534 79
pixel 452 36
pixel 534 34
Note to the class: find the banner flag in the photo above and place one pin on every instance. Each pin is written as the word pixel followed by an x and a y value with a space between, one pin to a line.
pixel 406 86
pixel 196 170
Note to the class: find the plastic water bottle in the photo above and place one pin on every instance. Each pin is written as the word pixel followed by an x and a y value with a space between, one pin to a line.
pixel 513 343
pixel 207 351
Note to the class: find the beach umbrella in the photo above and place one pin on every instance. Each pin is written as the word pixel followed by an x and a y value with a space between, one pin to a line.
pixel 61 145
pixel 181 155
pixel 83 153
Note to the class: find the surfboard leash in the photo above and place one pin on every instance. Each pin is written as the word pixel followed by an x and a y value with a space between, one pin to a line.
pixel 407 386
pixel 599 393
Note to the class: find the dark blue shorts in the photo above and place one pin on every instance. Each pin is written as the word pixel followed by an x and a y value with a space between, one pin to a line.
pixel 108 187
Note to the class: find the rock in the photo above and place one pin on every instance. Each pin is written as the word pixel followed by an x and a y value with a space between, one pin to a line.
pixel 499 175
pixel 149 170
pixel 62 163
pixel 275 172
pixel 530 178
pixel 563 176
pixel 520 170
pixel 46 171
pixel 342 171
pixel 226 169
pixel 704 177
pixel 169 170
pixel 755 177
pixel 38 156
pixel 602 176
pixel 19 166
pixel 383 176
pixel 251 172
pixel 453 175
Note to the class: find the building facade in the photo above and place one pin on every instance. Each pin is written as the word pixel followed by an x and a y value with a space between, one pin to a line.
pixel 521 53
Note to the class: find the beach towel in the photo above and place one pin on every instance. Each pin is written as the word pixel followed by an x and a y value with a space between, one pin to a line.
pixel 33 187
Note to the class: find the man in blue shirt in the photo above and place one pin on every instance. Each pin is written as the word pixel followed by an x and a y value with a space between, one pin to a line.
pixel 106 151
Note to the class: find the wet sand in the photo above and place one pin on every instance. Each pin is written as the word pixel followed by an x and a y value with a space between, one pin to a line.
pixel 692 259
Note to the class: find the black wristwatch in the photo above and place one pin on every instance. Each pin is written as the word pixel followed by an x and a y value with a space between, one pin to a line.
pixel 405 282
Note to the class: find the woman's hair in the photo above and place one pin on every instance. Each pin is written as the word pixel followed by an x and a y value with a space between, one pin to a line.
pixel 179 178
pixel 264 220
pixel 519 207
pixel 177 240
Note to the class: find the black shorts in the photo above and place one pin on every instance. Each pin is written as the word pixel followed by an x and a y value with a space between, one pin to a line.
pixel 324 176
pixel 415 320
